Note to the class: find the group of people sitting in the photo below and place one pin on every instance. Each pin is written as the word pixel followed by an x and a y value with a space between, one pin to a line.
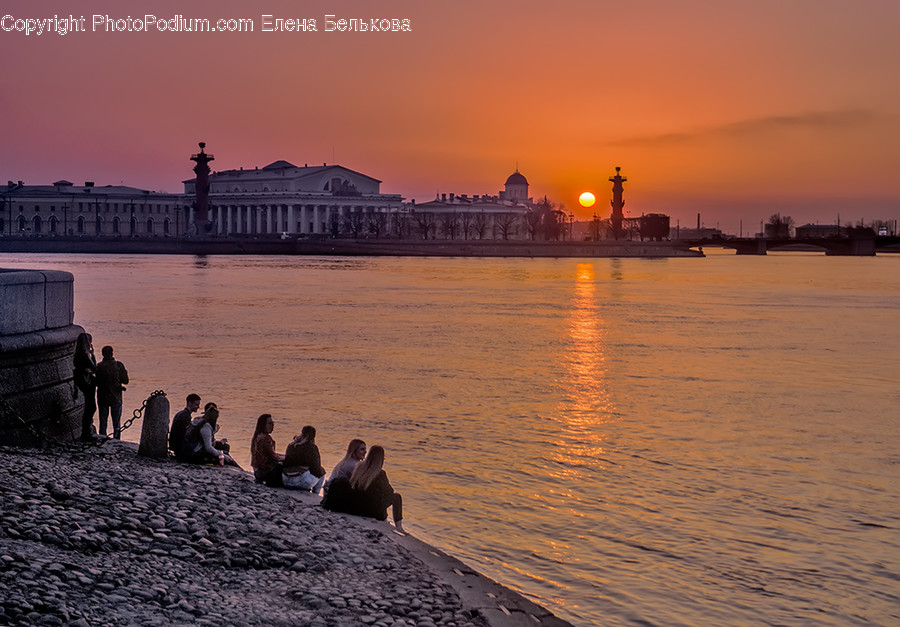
pixel 194 439
pixel 357 485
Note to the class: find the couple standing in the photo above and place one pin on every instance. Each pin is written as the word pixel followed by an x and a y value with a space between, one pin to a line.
pixel 101 384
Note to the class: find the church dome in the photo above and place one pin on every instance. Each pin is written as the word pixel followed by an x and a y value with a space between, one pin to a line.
pixel 516 178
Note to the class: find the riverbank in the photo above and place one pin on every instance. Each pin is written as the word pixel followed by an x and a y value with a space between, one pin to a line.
pixel 95 535
pixel 322 245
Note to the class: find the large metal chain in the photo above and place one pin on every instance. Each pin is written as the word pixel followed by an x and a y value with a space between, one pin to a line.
pixel 137 413
pixel 9 415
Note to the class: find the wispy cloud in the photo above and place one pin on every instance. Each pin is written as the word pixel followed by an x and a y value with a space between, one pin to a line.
pixel 742 129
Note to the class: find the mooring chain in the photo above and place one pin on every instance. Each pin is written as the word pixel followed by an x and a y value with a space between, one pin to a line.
pixel 137 413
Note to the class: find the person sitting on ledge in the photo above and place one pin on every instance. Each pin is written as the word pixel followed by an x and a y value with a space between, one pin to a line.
pixel 302 464
pixel 200 443
pixel 180 423
pixel 267 464
pixel 356 452
pixel 367 493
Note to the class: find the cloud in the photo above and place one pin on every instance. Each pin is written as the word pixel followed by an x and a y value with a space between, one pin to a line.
pixel 754 127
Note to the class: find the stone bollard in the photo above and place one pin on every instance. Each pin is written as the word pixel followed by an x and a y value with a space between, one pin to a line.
pixel 155 430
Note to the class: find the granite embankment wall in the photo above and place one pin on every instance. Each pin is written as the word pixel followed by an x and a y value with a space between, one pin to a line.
pixel 37 342
pixel 362 247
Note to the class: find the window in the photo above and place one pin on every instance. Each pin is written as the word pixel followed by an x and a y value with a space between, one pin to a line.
pixel 80 225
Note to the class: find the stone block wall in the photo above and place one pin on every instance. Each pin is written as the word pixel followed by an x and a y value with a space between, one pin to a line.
pixel 37 343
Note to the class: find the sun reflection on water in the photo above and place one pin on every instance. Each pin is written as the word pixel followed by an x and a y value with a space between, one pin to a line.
pixel 586 400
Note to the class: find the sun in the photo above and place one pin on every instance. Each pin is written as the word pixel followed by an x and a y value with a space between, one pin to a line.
pixel 586 199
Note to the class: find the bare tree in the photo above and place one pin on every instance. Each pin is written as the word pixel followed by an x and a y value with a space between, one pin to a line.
pixel 779 227
pixel 449 224
pixel 533 221
pixel 425 224
pixel 505 223
pixel 465 222
pixel 377 223
pixel 400 226
pixel 334 223
pixel 480 223
pixel 354 222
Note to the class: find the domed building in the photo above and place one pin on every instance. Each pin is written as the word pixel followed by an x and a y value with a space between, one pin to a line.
pixel 516 187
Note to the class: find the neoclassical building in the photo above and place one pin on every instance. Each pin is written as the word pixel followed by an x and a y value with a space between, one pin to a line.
pixel 67 209
pixel 461 216
pixel 285 198
pixel 281 199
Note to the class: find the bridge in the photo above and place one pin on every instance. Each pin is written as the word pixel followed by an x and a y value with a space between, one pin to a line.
pixel 858 245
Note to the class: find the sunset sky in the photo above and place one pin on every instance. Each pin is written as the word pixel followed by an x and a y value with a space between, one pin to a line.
pixel 734 109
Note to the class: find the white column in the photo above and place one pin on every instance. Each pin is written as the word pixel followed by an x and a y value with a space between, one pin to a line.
pixel 259 220
pixel 249 219
pixel 315 219
pixel 228 220
pixel 269 225
pixel 291 225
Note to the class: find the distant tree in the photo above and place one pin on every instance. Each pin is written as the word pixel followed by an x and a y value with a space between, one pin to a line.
pixel 505 224
pixel 533 222
pixel 466 220
pixel 377 223
pixel 334 223
pixel 425 224
pixel 354 222
pixel 480 224
pixel 449 224
pixel 779 227
pixel 400 225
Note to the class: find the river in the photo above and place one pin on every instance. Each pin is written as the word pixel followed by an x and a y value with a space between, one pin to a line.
pixel 626 441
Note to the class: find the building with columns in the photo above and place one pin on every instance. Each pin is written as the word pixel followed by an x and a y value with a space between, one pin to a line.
pixel 296 200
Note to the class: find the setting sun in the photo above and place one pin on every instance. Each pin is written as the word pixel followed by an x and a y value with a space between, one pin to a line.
pixel 586 199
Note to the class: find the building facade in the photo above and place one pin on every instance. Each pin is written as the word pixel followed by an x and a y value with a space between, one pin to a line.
pixel 282 198
pixel 279 200
pixel 67 209
pixel 460 216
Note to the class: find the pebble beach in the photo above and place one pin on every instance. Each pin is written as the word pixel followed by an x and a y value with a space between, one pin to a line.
pixel 96 535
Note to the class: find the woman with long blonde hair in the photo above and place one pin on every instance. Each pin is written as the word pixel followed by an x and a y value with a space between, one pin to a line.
pixel 373 491
pixel 356 452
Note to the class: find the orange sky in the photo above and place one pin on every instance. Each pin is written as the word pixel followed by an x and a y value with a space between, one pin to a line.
pixel 732 109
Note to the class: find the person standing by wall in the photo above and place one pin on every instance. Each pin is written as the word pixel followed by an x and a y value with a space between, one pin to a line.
pixel 84 373
pixel 111 380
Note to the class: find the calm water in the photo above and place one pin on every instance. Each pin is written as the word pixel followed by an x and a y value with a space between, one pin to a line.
pixel 629 442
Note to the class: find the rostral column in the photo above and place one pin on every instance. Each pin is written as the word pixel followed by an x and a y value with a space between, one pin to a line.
pixel 617 203
pixel 201 190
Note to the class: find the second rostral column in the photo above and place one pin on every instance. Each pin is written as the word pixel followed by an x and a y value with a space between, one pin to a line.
pixel 617 202
pixel 202 224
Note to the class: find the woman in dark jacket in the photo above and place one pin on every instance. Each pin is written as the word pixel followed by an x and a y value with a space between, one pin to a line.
pixel 372 492
pixel 302 464
pixel 84 373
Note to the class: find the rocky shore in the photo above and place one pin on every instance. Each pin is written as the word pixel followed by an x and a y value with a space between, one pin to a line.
pixel 96 535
